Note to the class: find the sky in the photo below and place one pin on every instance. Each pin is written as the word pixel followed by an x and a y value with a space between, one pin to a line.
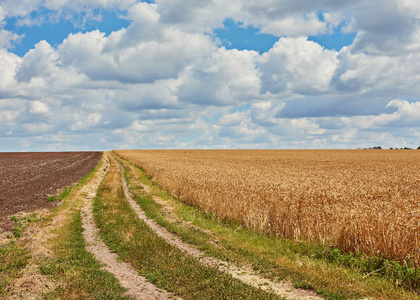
pixel 209 74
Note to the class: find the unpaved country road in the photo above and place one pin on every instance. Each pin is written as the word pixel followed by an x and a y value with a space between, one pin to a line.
pixel 138 287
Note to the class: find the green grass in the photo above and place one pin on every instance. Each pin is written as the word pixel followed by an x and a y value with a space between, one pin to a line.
pixel 78 271
pixel 22 223
pixel 161 263
pixel 64 194
pixel 13 258
pixel 330 272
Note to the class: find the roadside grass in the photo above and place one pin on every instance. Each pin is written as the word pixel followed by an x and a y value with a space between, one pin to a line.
pixel 330 272
pixel 64 194
pixel 161 263
pixel 13 258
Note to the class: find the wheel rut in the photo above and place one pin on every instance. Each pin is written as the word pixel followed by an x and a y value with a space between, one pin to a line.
pixel 245 274
pixel 137 285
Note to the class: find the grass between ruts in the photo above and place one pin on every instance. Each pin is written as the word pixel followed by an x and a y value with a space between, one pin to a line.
pixel 77 275
pixel 80 273
pixel 329 272
pixel 161 263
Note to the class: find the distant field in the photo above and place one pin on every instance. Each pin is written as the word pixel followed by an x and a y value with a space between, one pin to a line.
pixel 357 200
pixel 27 179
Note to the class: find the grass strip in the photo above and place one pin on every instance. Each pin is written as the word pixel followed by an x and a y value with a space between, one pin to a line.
pixel 13 259
pixel 80 273
pixel 330 272
pixel 161 263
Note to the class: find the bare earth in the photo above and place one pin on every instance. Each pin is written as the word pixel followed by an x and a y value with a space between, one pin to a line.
pixel 27 179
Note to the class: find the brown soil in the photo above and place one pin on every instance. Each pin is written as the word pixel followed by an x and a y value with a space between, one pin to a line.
pixel 243 273
pixel 27 179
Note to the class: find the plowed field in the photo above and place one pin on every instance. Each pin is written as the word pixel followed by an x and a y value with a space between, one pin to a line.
pixel 27 179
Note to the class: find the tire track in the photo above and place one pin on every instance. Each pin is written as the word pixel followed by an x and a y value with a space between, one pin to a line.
pixel 244 274
pixel 138 287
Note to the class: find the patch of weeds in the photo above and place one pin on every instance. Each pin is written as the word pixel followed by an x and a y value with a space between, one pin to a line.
pixel 13 258
pixel 22 223
pixel 302 285
pixel 64 194
pixel 407 276
pixel 17 231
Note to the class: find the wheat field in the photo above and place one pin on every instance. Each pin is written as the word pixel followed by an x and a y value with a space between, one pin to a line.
pixel 357 200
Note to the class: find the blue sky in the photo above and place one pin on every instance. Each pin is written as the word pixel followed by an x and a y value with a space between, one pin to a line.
pixel 54 30
pixel 175 74
pixel 233 35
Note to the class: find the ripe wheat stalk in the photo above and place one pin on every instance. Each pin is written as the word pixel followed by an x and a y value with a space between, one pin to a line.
pixel 357 200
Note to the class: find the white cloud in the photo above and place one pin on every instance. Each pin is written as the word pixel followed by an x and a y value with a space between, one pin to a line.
pixel 297 65
pixel 164 82
pixel 361 72
pixel 39 108
pixel 197 16
pixel 226 77
pixel 139 127
pixel 38 62
pixel 131 56
pixel 409 7
pixel 296 26
pixel 36 128
pixel 8 65
pixel 84 122
pixel 8 39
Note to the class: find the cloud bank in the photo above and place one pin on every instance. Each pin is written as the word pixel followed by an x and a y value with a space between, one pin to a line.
pixel 165 81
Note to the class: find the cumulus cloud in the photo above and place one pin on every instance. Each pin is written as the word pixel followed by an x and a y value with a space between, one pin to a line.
pixel 8 39
pixel 38 62
pixel 297 65
pixel 197 16
pixel 39 108
pixel 84 122
pixel 388 75
pixel 226 77
pixel 138 54
pixel 164 81
pixel 8 65
pixel 158 95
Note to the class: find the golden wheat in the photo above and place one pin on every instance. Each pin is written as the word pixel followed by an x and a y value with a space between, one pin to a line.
pixel 357 200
